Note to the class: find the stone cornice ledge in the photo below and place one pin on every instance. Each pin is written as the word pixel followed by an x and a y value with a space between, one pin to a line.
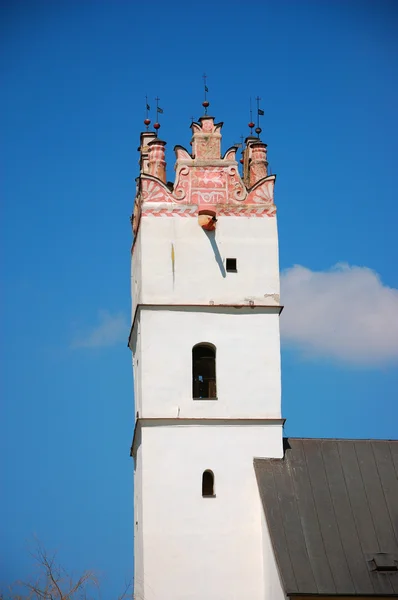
pixel 204 307
pixel 187 422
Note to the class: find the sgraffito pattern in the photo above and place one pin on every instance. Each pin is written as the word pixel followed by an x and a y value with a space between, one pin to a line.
pixel 205 179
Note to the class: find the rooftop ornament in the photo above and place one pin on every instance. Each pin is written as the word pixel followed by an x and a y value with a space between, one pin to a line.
pixel 159 111
pixel 205 102
pixel 147 120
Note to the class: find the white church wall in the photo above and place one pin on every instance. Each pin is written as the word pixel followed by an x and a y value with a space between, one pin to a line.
pixel 188 547
pixel 136 272
pixel 183 264
pixel 247 362
pixel 195 547
pixel 138 526
pixel 137 364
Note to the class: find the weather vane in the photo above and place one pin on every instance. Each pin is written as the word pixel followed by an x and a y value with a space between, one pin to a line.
pixel 147 120
pixel 260 112
pixel 205 103
pixel 251 124
pixel 240 145
pixel 242 138
pixel 159 111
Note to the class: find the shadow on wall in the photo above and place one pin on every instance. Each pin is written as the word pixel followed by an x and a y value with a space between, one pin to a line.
pixel 211 235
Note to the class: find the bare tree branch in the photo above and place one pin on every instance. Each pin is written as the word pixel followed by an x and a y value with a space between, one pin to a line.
pixel 125 593
pixel 54 583
pixel 80 584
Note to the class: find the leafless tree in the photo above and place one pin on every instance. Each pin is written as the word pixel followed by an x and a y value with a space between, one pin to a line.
pixel 54 583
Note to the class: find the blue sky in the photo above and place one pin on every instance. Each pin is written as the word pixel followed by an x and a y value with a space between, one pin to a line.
pixel 74 78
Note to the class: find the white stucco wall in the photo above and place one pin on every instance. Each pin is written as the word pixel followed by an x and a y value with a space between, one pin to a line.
pixel 247 362
pixel 194 547
pixel 199 261
pixel 137 363
pixel 189 547
pixel 138 529
pixel 136 271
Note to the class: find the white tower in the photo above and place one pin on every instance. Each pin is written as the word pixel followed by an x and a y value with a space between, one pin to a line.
pixel 205 342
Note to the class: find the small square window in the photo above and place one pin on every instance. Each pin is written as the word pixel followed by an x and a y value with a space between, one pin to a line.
pixel 230 265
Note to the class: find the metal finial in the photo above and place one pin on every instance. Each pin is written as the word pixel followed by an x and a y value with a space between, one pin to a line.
pixel 251 124
pixel 159 111
pixel 259 113
pixel 147 120
pixel 205 103
pixel 242 139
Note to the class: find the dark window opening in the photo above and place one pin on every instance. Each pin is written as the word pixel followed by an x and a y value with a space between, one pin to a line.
pixel 208 484
pixel 230 265
pixel 204 372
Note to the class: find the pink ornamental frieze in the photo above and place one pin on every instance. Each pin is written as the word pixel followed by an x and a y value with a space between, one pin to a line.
pixel 152 191
pixel 208 186
pixel 206 140
pixel 207 147
pixel 235 187
pixel 208 178
pixel 208 126
pixel 215 186
pixel 226 211
pixel 213 197
pixel 183 183
pixel 230 154
pixel 182 153
pixel 263 193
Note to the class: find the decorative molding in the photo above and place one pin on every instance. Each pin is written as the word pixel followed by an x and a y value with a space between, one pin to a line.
pixel 192 421
pixel 242 308
pixel 181 211
pixel 205 179
pixel 231 211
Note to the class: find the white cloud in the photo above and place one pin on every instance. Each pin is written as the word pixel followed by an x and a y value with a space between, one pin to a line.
pixel 345 313
pixel 111 330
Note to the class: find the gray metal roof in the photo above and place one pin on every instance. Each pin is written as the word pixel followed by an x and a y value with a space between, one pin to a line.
pixel 332 511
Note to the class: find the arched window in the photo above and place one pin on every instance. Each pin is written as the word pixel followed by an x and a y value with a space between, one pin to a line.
pixel 204 372
pixel 208 484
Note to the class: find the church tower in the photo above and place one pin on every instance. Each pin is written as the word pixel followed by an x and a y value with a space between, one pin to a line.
pixel 206 358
